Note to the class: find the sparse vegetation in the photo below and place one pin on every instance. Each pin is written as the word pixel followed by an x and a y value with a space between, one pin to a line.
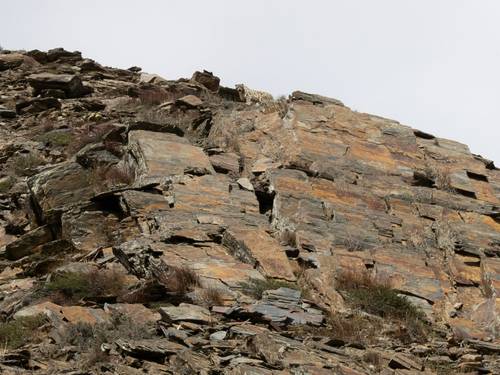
pixel 18 332
pixel 255 287
pixel 113 175
pixel 279 105
pixel 354 329
pixel 209 296
pixel 441 178
pixel 374 296
pixel 56 138
pixel 6 183
pixel 154 96
pixel 352 242
pixel 25 164
pixel 89 338
pixel 177 279
pixel 86 135
pixel 70 287
pixel 374 359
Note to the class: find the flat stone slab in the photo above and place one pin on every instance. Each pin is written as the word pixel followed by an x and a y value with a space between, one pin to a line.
pixel 62 186
pixel 186 313
pixel 71 314
pixel 151 349
pixel 161 155
pixel 69 83
pixel 283 305
pixel 258 248
pixel 28 243
pixel 134 311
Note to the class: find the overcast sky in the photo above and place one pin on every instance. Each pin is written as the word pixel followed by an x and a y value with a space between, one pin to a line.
pixel 430 64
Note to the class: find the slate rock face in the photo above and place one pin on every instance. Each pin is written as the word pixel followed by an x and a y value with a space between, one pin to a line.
pixel 259 249
pixel 162 154
pixel 60 187
pixel 147 178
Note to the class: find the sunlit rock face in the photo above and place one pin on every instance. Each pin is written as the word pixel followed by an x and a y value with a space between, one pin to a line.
pixel 218 222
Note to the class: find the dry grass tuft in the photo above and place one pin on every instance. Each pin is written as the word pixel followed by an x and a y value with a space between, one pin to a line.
pixel 208 296
pixel 88 134
pixel 113 175
pixel 441 177
pixel 176 279
pixel 154 96
pixel 352 329
pixel 89 338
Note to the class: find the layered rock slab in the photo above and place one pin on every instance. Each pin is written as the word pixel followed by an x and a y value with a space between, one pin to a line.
pixel 160 155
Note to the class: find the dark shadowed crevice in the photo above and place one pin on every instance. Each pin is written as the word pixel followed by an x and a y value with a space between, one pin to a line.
pixel 266 201
pixel 477 176
pixel 423 135
pixel 110 204
pixel 465 193
pixel 422 179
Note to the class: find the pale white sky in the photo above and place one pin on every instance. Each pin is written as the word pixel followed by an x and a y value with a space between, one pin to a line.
pixel 430 64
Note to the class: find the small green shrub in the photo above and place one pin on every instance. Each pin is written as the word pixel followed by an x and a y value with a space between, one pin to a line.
pixel 18 332
pixel 382 301
pixel 255 287
pixel 56 138
pixel 362 291
pixel 68 287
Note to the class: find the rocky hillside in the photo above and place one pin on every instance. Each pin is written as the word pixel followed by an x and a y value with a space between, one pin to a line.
pixel 182 227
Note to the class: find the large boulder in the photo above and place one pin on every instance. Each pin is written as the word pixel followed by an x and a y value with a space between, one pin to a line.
pixel 56 189
pixel 28 243
pixel 160 155
pixel 70 84
pixel 207 79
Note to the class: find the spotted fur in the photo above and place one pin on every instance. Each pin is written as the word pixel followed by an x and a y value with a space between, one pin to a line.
pixel 250 96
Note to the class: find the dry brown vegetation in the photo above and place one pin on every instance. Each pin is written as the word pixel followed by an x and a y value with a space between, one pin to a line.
pixel 113 175
pixel 89 338
pixel 279 105
pixel 154 96
pixel 346 329
pixel 177 279
pixel 208 296
pixel 441 177
pixel 87 134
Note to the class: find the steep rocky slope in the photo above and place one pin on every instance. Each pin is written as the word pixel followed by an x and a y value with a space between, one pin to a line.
pixel 183 227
